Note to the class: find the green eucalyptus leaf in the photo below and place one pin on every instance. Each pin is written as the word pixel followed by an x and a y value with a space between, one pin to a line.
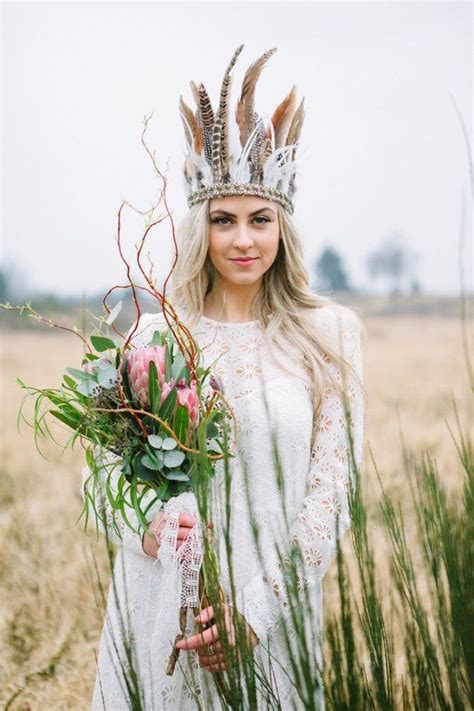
pixel 151 463
pixel 177 476
pixel 141 471
pixel 155 440
pixel 156 456
pixel 174 458
pixel 169 443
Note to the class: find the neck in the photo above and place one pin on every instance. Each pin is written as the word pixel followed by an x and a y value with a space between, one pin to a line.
pixel 231 302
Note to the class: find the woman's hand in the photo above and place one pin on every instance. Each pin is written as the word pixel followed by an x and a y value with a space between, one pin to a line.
pixel 151 543
pixel 208 643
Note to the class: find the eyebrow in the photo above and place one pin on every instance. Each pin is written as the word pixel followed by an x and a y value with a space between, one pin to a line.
pixel 230 214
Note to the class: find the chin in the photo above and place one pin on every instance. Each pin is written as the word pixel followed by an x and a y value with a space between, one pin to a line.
pixel 243 278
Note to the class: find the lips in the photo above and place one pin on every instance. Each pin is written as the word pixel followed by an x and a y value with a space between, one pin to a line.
pixel 244 259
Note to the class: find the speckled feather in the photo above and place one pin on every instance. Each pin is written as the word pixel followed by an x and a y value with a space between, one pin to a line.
pixel 245 108
pixel 223 112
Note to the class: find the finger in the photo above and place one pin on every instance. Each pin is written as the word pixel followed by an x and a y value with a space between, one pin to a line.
pixel 206 637
pixel 205 615
pixel 158 526
pixel 210 659
pixel 208 614
pixel 183 532
pixel 186 520
pixel 216 667
pixel 204 650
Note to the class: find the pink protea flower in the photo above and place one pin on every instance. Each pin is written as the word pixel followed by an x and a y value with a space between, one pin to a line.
pixel 187 396
pixel 137 369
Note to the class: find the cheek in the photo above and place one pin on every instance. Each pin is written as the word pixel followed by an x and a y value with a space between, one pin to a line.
pixel 216 246
pixel 272 242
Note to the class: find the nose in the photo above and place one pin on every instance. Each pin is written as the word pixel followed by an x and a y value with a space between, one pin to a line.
pixel 242 237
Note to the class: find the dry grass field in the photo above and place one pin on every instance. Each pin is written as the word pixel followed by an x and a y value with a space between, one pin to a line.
pixel 50 622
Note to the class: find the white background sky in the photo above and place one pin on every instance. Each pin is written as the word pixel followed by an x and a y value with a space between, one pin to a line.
pixel 381 147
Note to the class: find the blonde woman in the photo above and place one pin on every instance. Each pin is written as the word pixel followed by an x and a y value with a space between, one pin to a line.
pixel 288 360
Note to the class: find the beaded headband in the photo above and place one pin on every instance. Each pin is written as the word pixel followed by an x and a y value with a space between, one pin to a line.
pixel 262 164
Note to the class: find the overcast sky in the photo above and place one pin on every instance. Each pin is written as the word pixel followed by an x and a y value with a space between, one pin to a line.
pixel 381 148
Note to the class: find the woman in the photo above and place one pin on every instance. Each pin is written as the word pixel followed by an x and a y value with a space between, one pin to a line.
pixel 288 360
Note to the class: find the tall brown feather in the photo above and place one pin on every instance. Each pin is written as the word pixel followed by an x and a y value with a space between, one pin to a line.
pixel 191 119
pixel 205 105
pixel 206 117
pixel 296 126
pixel 220 127
pixel 195 91
pixel 216 150
pixel 282 118
pixel 224 119
pixel 256 149
pixel 205 138
pixel 244 114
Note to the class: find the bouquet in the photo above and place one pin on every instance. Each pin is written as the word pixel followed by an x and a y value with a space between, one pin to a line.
pixel 165 418
pixel 146 405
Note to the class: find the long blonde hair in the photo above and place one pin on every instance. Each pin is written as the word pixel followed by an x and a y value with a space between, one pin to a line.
pixel 282 305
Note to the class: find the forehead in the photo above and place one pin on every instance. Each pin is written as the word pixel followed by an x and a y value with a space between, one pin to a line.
pixel 241 204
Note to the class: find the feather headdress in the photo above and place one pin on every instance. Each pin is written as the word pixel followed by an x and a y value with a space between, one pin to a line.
pixel 264 163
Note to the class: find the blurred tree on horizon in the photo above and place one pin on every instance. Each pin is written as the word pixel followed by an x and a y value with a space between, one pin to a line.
pixel 330 272
pixel 395 263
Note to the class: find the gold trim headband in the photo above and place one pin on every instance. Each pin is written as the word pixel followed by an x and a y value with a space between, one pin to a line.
pixel 262 163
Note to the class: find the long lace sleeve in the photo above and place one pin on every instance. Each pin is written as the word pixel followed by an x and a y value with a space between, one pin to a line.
pixel 314 528
pixel 107 481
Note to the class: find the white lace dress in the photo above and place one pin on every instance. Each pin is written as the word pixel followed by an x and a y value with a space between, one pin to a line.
pixel 316 477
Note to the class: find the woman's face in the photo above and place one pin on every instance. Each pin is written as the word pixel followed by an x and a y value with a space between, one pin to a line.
pixel 243 238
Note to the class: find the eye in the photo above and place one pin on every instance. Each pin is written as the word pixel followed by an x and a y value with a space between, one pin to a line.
pixel 218 220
